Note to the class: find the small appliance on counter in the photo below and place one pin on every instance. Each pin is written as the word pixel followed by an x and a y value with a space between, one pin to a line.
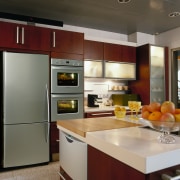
pixel 93 100
pixel 122 99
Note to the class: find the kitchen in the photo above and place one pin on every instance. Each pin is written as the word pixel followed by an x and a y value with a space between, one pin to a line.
pixel 157 38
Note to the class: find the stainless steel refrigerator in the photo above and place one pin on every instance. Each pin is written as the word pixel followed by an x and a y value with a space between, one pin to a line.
pixel 25 108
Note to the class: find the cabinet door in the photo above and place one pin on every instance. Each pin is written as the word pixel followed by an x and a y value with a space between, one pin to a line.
pixel 102 166
pixel 99 114
pixel 93 50
pixel 112 52
pixel 129 54
pixel 67 42
pixel 34 38
pixel 8 34
pixel 54 137
pixel 24 36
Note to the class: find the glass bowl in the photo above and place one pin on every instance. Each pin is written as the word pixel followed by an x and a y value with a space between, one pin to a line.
pixel 120 114
pixel 165 127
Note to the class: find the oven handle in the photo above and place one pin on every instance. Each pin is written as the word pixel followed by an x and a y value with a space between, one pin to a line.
pixel 66 95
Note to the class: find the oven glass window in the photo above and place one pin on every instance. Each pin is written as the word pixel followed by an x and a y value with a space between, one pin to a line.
pixel 67 79
pixel 67 106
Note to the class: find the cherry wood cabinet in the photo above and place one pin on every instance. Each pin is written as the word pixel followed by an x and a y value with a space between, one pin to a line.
pixel 67 56
pixel 8 35
pixel 120 53
pixel 103 166
pixel 112 52
pixel 20 36
pixel 102 113
pixel 128 54
pixel 67 41
pixel 93 50
pixel 64 174
pixel 54 138
pixel 145 84
pixel 99 114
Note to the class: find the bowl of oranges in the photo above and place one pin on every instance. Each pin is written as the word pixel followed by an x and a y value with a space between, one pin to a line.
pixel 119 111
pixel 163 117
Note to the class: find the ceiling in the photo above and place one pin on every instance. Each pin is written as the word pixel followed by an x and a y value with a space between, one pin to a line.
pixel 146 16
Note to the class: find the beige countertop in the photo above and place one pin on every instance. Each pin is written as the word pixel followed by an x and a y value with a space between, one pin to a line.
pixel 82 126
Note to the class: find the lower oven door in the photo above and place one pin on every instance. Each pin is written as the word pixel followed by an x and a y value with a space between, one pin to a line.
pixel 66 106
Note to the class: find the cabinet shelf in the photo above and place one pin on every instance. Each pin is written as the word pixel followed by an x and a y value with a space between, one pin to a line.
pixel 119 90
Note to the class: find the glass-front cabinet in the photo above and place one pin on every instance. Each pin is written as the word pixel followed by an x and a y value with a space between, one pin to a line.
pixel 152 81
pixel 93 68
pixel 157 74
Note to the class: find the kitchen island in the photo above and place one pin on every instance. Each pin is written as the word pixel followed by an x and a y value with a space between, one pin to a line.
pixel 118 149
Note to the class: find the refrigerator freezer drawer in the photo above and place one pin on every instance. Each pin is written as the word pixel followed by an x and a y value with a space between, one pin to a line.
pixel 73 156
pixel 26 144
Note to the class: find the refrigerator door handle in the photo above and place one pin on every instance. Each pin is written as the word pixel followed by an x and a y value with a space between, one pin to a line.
pixel 47 136
pixel 48 128
pixel 47 96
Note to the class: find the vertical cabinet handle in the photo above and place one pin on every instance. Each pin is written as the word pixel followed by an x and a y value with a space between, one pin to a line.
pixel 22 36
pixel 17 34
pixel 54 39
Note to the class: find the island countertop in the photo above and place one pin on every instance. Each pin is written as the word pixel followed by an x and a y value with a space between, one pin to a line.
pixel 131 144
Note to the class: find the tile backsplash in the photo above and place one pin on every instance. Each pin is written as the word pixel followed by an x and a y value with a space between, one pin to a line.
pixel 103 88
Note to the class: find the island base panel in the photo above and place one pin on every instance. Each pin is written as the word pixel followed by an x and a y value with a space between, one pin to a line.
pixel 102 166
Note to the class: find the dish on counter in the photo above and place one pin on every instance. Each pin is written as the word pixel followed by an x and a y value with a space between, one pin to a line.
pixel 165 127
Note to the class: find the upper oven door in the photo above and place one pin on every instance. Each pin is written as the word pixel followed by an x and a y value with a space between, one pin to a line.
pixel 67 79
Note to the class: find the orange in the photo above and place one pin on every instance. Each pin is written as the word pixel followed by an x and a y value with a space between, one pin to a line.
pixel 144 108
pixel 154 106
pixel 177 117
pixel 168 107
pixel 156 115
pixel 145 114
pixel 177 111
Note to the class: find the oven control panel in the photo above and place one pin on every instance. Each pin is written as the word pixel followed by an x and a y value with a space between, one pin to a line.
pixel 66 62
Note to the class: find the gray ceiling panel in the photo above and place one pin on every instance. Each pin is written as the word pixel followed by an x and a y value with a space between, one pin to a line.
pixel 147 16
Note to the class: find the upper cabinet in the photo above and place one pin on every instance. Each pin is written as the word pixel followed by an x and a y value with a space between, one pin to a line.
pixel 93 50
pixel 112 52
pixel 67 41
pixel 121 53
pixel 109 60
pixel 30 37
pixel 128 54
pixel 14 35
pixel 152 74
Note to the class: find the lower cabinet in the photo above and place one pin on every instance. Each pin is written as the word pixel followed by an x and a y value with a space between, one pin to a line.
pixel 54 139
pixel 73 157
pixel 63 175
pixel 103 166
pixel 99 114
pixel 102 114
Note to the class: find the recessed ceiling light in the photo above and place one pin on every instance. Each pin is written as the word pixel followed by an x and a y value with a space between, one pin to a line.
pixel 174 14
pixel 123 1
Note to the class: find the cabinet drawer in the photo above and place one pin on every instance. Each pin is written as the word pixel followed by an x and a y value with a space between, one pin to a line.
pixel 99 114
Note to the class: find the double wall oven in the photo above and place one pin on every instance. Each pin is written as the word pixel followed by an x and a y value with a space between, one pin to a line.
pixel 67 87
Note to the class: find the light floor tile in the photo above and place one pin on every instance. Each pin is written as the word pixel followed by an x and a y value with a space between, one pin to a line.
pixel 43 172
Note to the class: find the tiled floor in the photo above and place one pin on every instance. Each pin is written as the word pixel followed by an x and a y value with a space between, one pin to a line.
pixel 44 172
